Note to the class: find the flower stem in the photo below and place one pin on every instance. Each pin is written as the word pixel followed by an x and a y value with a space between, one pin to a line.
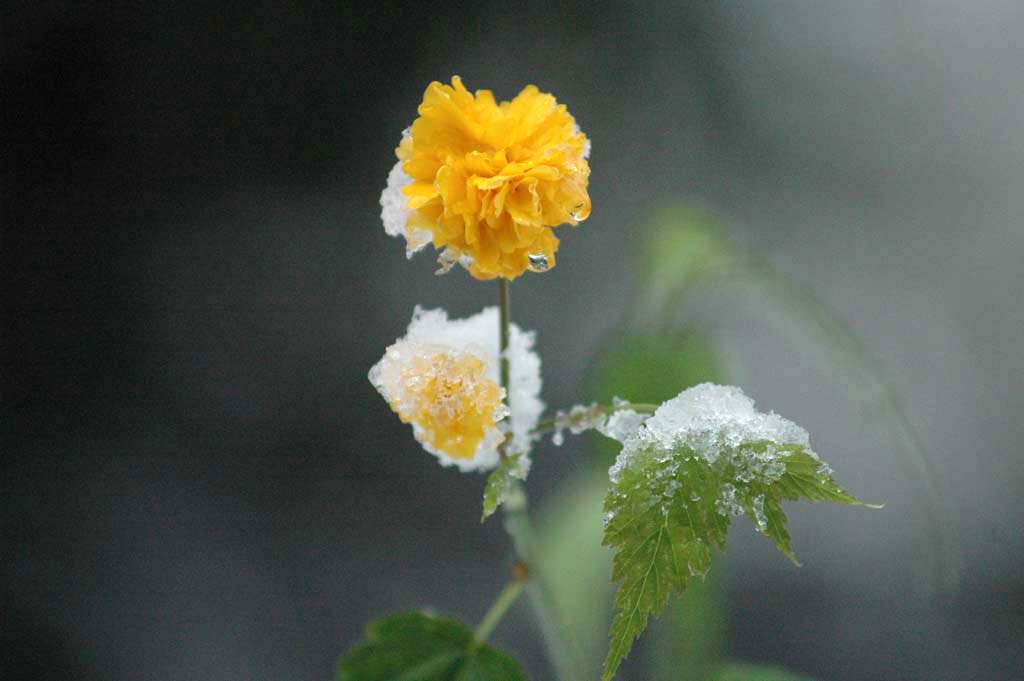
pixel 517 525
pixel 501 605
pixel 505 307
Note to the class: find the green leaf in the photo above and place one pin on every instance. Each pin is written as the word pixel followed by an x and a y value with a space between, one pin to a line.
pixel 689 641
pixel 500 484
pixel 661 539
pixel 688 257
pixel 415 646
pixel 674 493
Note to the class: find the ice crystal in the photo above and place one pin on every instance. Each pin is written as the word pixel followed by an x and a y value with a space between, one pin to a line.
pixel 714 421
pixel 395 213
pixel 577 419
pixel 618 423
pixel 622 424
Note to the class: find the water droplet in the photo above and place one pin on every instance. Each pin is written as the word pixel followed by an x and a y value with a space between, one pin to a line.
pixel 538 262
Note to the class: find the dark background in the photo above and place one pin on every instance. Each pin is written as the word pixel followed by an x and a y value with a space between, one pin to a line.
pixel 199 482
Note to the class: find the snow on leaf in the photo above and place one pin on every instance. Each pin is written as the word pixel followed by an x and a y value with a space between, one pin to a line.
pixel 704 457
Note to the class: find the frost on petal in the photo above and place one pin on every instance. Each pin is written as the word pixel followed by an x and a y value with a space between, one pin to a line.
pixel 395 212
pixel 586 144
pixel 436 348
pixel 524 391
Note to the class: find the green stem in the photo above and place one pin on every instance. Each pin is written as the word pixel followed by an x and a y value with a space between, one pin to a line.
pixel 550 424
pixel 517 525
pixel 501 605
pixel 556 635
pixel 505 322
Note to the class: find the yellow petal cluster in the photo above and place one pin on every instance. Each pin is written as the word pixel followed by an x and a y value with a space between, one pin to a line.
pixel 490 181
pixel 450 400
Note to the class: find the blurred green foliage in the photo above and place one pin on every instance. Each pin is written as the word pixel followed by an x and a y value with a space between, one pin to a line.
pixel 686 257
pixel 736 671
pixel 649 368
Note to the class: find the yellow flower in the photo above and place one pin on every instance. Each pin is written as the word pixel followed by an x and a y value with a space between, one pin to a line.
pixel 450 400
pixel 442 378
pixel 486 183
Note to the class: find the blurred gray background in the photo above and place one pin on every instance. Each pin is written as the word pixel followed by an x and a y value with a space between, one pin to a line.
pixel 198 481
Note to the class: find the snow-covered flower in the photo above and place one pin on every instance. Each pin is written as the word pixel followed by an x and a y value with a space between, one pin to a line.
pixel 486 183
pixel 442 377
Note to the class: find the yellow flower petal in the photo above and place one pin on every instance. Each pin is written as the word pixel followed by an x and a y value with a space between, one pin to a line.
pixel 449 397
pixel 491 181
pixel 442 378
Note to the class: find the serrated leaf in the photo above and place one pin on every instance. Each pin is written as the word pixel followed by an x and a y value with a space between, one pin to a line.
pixel 415 646
pixel 687 255
pixel 660 542
pixel 500 484
pixel 689 641
pixel 669 505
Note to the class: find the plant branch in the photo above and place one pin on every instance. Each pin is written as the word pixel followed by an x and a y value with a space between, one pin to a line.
pixel 517 525
pixel 505 322
pixel 550 424
pixel 498 609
